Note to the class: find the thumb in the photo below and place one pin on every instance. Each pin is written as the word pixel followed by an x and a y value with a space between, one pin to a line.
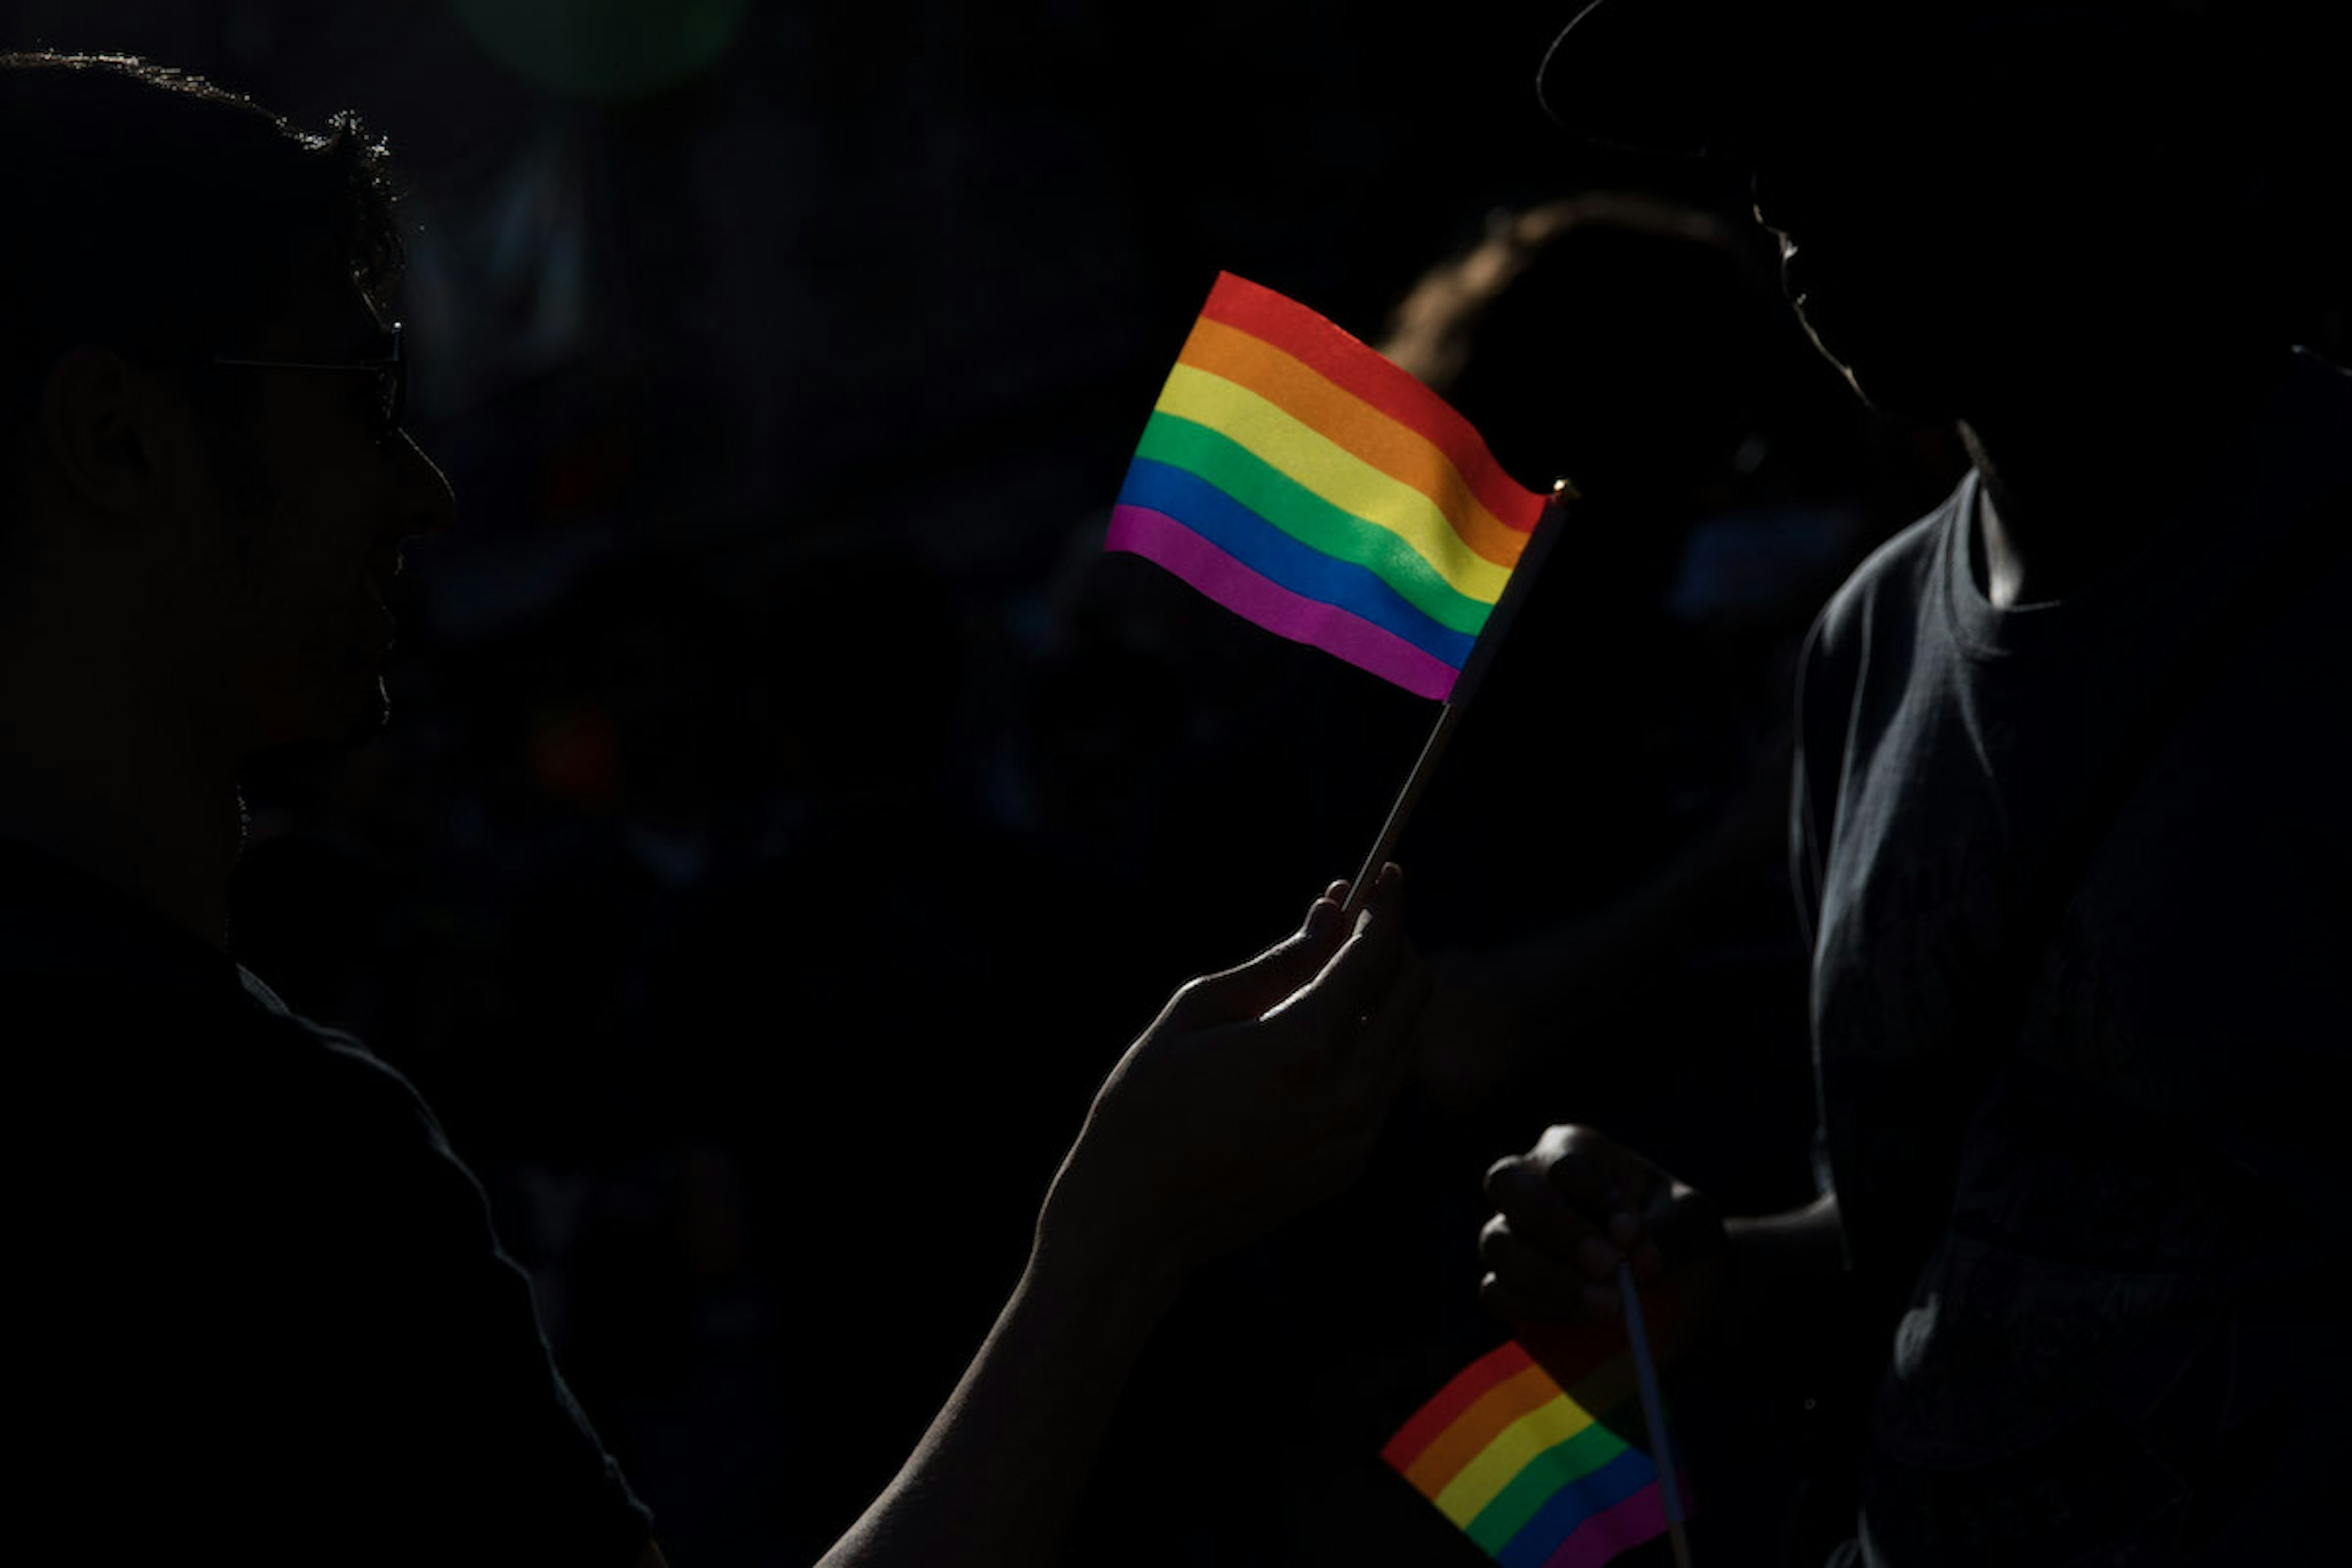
pixel 1248 989
pixel 1362 968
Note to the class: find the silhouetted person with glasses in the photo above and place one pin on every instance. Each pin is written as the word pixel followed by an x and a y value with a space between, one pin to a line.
pixel 2069 833
pixel 259 1310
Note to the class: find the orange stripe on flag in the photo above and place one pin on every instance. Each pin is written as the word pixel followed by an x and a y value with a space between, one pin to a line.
pixel 1478 1426
pixel 1354 365
pixel 1498 1365
pixel 1347 421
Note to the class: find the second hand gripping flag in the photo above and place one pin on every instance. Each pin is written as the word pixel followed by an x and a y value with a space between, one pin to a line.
pixel 1305 482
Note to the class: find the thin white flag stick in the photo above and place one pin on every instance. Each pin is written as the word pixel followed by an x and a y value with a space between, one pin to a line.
pixel 1653 1411
pixel 1466 685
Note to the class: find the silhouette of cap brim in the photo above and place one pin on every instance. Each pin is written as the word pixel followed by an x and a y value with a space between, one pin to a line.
pixel 1660 76
pixel 1688 77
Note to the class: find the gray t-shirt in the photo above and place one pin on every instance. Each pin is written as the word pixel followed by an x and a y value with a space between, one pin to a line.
pixel 2092 1251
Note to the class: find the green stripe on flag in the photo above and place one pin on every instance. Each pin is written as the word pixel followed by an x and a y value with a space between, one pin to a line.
pixel 1540 1481
pixel 1310 519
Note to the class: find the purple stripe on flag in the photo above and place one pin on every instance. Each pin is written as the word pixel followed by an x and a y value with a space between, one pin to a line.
pixel 1612 1530
pixel 1158 538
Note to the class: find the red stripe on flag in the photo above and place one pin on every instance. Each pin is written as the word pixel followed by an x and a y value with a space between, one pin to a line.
pixel 1497 1366
pixel 1349 363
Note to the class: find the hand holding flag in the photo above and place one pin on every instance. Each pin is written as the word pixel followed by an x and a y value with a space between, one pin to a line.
pixel 1303 481
pixel 1294 475
pixel 1256 1094
pixel 1569 1208
pixel 1580 1218
pixel 1543 1451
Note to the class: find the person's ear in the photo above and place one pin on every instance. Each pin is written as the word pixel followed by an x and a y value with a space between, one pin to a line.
pixel 113 431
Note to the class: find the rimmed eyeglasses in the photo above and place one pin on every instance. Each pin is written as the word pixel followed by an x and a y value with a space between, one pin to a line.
pixel 390 371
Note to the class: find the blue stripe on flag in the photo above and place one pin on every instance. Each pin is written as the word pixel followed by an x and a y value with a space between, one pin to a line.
pixel 1274 555
pixel 1574 1503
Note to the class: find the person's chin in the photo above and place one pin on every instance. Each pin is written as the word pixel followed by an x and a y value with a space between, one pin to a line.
pixel 368 713
pixel 374 718
pixel 1905 380
pixel 363 705
pixel 1902 392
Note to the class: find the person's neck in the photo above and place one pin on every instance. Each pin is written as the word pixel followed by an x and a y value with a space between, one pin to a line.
pixel 2079 473
pixel 126 809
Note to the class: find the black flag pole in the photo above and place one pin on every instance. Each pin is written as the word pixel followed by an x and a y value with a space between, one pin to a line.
pixel 1466 685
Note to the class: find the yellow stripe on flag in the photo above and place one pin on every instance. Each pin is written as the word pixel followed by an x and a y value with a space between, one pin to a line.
pixel 1371 434
pixel 1547 1425
pixel 1434 1469
pixel 1306 455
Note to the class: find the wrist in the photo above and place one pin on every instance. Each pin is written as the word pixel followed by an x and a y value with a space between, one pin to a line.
pixel 1092 1251
pixel 1118 1282
pixel 1773 1269
pixel 1789 1249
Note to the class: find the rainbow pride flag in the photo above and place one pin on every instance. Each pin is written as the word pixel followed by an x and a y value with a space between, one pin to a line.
pixel 1540 1470
pixel 1305 483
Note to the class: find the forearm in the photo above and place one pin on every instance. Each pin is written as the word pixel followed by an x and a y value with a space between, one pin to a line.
pixel 1255 1094
pixel 1788 1250
pixel 995 1480
pixel 1778 1270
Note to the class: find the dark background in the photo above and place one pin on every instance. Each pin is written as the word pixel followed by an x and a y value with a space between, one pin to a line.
pixel 789 814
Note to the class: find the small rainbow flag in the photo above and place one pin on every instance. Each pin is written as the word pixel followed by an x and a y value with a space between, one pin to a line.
pixel 1539 1471
pixel 1305 483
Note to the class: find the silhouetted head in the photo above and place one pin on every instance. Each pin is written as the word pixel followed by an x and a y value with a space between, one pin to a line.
pixel 201 471
pixel 1610 337
pixel 152 212
pixel 1971 190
